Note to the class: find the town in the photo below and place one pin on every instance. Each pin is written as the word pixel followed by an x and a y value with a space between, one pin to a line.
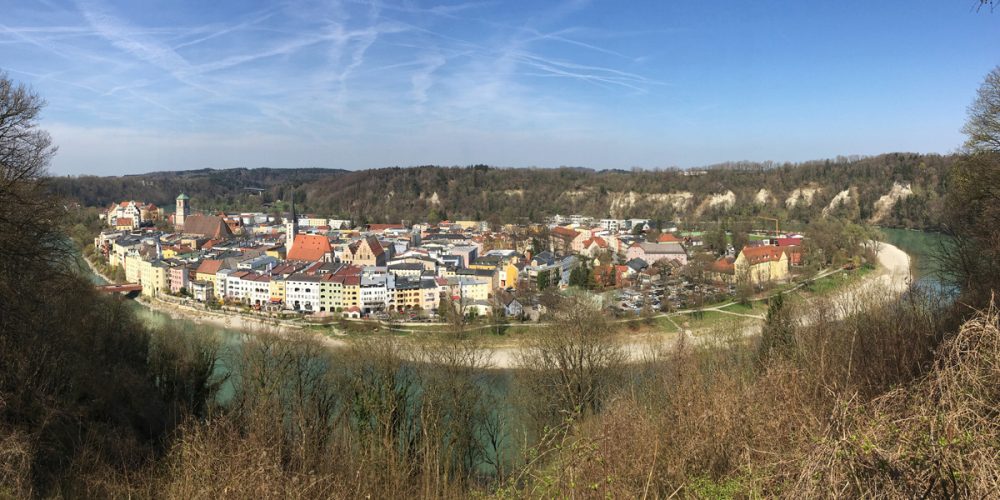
pixel 302 264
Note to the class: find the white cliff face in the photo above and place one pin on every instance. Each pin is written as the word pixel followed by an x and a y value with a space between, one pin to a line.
pixel 717 200
pixel 842 198
pixel 803 196
pixel 885 203
pixel 762 197
pixel 621 202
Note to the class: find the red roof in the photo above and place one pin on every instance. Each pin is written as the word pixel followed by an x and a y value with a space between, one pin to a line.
pixel 724 265
pixel 310 247
pixel 756 255
pixel 210 266
pixel 565 232
pixel 384 227
pixel 596 239
pixel 789 242
pixel 121 221
pixel 667 238
pixel 376 246
pixel 348 270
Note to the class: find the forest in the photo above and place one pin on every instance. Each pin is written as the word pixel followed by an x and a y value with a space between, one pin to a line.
pixel 897 400
pixel 481 192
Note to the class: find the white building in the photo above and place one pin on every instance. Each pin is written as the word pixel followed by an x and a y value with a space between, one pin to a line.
pixel 375 292
pixel 202 291
pixel 613 225
pixel 302 292
pixel 248 288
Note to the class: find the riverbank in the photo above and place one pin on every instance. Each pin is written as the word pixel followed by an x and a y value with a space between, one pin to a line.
pixel 224 320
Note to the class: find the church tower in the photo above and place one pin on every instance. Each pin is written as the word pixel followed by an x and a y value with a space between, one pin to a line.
pixel 291 227
pixel 182 211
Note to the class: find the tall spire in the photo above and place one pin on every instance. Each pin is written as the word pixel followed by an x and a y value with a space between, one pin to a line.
pixel 291 226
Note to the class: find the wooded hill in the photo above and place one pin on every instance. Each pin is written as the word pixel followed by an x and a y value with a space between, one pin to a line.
pixel 897 189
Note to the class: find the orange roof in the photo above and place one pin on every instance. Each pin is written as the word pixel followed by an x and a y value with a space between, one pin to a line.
pixel 310 247
pixel 384 227
pixel 565 232
pixel 210 266
pixel 764 253
pixel 724 265
pixel 667 238
pixel 596 239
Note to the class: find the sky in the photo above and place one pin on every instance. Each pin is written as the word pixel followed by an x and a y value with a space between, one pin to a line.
pixel 139 86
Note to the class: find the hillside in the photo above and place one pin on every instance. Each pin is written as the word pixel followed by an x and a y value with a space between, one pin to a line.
pixel 898 189
pixel 233 188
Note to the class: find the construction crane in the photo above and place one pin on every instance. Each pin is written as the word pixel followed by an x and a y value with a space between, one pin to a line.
pixel 776 229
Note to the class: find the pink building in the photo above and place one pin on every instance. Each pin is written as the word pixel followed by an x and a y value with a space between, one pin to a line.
pixel 652 252
pixel 179 279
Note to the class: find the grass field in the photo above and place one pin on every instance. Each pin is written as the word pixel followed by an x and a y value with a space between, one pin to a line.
pixel 754 307
pixel 824 286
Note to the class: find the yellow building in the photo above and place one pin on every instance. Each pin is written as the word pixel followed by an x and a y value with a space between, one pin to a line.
pixel 153 278
pixel 206 271
pixel 278 252
pixel 339 292
pixel 132 263
pixel 277 289
pixel 508 275
pixel 761 264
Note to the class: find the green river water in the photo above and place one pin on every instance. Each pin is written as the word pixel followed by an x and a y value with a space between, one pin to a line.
pixel 921 246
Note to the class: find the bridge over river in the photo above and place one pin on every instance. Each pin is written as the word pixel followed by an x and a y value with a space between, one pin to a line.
pixel 124 288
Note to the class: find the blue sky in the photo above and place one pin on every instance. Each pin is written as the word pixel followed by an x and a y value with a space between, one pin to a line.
pixel 137 86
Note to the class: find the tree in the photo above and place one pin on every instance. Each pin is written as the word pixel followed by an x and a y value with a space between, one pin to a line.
pixel 543 279
pixel 778 336
pixel 972 261
pixel 580 276
pixel 741 235
pixel 983 125
pixel 575 366
pixel 716 239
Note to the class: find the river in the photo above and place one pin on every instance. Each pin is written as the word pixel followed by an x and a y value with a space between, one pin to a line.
pixel 922 246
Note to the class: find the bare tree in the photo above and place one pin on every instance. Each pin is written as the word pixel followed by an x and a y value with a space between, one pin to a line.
pixel 573 366
pixel 983 125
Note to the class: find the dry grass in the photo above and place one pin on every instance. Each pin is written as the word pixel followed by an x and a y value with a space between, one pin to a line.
pixel 940 437
pixel 871 405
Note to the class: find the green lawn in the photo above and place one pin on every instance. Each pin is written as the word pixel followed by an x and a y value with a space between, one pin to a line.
pixel 665 325
pixel 824 286
pixel 706 319
pixel 755 307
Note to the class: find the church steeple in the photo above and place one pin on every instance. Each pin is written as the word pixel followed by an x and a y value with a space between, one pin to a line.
pixel 291 226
